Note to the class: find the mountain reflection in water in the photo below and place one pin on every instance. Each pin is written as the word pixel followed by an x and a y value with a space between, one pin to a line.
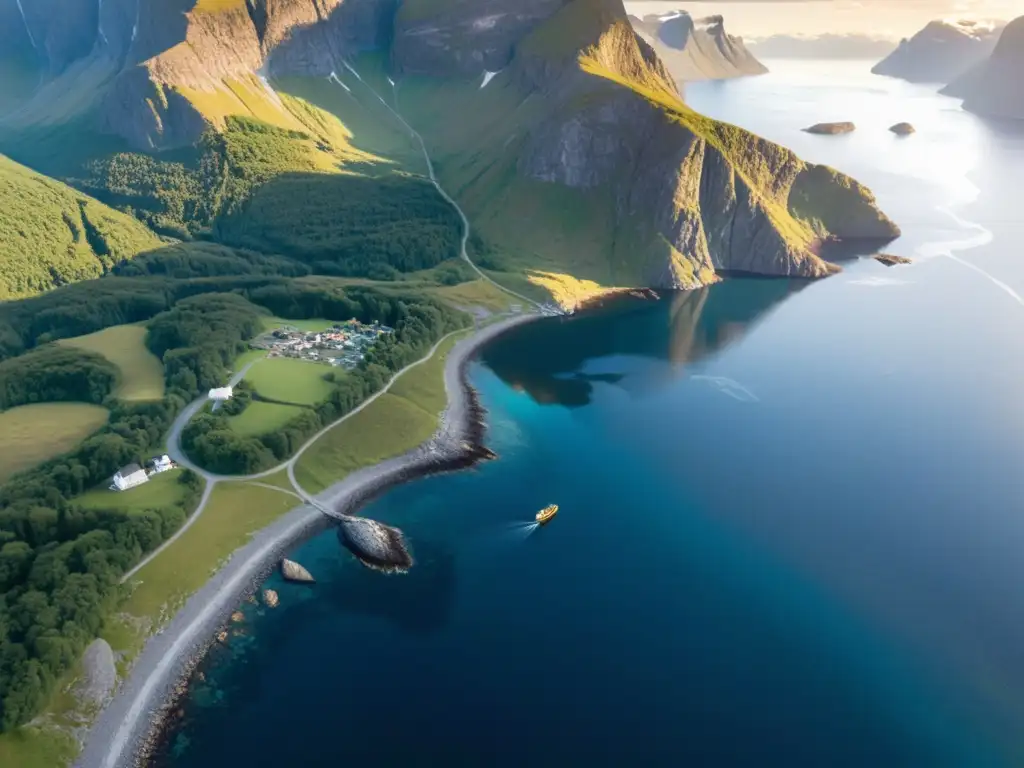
pixel 683 327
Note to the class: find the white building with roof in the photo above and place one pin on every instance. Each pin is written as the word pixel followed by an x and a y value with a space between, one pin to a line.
pixel 221 393
pixel 162 464
pixel 129 477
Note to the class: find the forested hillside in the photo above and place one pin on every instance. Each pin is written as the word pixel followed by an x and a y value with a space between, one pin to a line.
pixel 51 234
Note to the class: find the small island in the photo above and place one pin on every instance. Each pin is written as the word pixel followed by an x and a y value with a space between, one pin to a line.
pixel 831 129
pixel 902 129
pixel 891 260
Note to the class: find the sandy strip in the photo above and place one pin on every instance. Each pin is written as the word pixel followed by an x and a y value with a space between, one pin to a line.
pixel 125 726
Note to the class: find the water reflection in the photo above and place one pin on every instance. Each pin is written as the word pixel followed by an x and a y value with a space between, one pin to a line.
pixel 684 327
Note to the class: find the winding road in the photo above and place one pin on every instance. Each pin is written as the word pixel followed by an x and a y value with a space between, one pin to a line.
pixel 174 448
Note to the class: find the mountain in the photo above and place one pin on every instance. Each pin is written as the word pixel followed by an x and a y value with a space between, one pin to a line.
pixel 274 125
pixel 825 46
pixel 995 87
pixel 941 52
pixel 696 49
pixel 51 234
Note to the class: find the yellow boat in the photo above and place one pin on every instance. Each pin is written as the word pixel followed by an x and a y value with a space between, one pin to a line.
pixel 546 514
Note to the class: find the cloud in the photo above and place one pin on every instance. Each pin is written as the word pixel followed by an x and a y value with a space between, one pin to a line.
pixel 823 46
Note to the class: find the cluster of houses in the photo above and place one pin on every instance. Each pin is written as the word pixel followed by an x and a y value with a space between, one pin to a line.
pixel 133 474
pixel 344 344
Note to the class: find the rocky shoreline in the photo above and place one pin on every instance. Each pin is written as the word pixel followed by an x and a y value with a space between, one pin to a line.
pixel 128 728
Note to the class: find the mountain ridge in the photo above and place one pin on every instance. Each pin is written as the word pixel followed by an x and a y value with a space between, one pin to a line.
pixel 581 111
pixel 994 87
pixel 940 52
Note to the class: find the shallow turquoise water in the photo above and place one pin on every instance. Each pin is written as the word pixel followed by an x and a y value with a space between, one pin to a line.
pixel 790 529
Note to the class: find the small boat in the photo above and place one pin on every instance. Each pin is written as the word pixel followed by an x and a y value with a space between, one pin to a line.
pixel 546 514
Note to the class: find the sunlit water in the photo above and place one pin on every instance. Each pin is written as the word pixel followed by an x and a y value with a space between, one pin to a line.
pixel 791 529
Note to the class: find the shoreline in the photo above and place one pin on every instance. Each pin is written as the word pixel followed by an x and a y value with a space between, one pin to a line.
pixel 123 732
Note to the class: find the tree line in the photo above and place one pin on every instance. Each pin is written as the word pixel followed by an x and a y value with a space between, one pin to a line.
pixel 418 323
pixel 56 374
pixel 59 562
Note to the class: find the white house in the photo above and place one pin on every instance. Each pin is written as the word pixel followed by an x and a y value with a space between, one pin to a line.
pixel 221 393
pixel 129 477
pixel 162 464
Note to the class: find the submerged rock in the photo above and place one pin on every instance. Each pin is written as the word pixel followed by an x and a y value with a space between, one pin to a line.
pixel 890 260
pixel 237 617
pixel 902 129
pixel 292 571
pixel 270 598
pixel 99 673
pixel 831 129
pixel 375 545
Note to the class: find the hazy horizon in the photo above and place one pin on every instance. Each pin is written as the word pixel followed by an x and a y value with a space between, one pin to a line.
pixel 890 19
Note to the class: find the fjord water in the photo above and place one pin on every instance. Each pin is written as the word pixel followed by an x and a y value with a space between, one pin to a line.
pixel 791 529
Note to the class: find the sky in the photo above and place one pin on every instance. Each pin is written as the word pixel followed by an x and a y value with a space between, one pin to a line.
pixel 879 18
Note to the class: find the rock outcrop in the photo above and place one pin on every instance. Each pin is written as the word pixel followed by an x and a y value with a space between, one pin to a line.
pixel 941 52
pixel 270 598
pixel 831 129
pixel 579 116
pixel 902 129
pixel 697 49
pixel 891 260
pixel 586 115
pixel 375 545
pixel 292 571
pixel 99 674
pixel 995 87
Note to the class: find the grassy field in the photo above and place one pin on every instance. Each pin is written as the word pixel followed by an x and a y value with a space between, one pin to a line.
pixel 34 433
pixel 476 293
pixel 393 424
pixel 261 418
pixel 162 490
pixel 235 512
pixel 290 381
pixel 309 326
pixel 142 373
pixel 245 358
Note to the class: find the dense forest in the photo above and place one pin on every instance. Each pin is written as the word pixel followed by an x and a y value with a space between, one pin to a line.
pixel 59 563
pixel 56 374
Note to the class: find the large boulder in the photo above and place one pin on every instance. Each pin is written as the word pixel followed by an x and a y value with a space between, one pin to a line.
pixel 292 571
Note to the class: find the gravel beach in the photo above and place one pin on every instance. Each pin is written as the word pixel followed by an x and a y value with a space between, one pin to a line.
pixel 123 730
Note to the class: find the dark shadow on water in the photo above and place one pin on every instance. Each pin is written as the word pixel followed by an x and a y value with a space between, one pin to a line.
pixel 683 327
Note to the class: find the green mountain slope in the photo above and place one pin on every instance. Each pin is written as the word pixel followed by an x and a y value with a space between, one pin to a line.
pixel 51 234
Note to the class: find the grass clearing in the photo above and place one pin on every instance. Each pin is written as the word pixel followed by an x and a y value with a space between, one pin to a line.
pixel 162 490
pixel 260 418
pixel 476 293
pixel 290 381
pixel 34 433
pixel 387 427
pixel 423 386
pixel 309 326
pixel 394 423
pixel 142 373
pixel 236 511
pixel 247 357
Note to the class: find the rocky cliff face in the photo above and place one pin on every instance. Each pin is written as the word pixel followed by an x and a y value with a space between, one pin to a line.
pixel 941 52
pixel 585 114
pixel 697 49
pixel 995 87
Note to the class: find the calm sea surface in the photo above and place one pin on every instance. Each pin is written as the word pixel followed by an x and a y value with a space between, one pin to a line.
pixel 792 526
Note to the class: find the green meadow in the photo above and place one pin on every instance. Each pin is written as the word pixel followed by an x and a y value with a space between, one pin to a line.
pixel 34 433
pixel 142 373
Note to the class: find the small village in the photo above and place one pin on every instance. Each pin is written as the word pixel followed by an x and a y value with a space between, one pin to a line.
pixel 342 345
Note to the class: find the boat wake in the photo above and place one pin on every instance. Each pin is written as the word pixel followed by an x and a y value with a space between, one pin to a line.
pixel 517 532
pixel 729 387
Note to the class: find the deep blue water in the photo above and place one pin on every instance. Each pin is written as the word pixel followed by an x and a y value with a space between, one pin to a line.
pixel 791 529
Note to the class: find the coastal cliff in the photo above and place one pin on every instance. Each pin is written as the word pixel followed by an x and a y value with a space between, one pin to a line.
pixel 551 111
pixel 941 52
pixel 995 87
pixel 697 49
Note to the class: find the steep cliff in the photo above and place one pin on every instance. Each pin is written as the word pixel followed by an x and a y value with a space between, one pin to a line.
pixel 552 112
pixel 941 52
pixel 584 135
pixel 995 87
pixel 697 49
